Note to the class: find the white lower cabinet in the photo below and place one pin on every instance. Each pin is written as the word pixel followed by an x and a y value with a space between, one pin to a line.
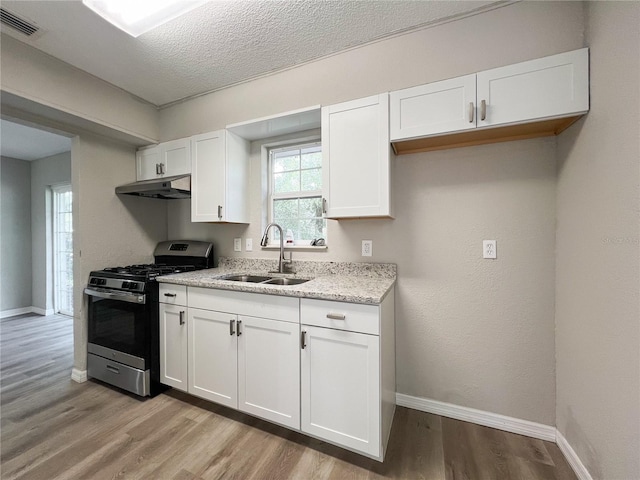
pixel 348 373
pixel 213 363
pixel 173 346
pixel 332 378
pixel 341 388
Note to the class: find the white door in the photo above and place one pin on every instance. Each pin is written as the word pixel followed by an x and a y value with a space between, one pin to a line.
pixel 208 177
pixel 269 369
pixel 553 86
pixel 341 388
pixel 355 158
pixel 173 346
pixel 213 362
pixel 175 157
pixel 446 106
pixel 63 249
pixel 147 161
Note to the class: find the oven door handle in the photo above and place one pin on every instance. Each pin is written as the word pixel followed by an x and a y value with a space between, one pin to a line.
pixel 121 296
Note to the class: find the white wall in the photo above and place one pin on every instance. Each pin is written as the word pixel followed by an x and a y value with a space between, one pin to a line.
pixel 15 234
pixel 108 230
pixel 472 332
pixel 598 255
pixel 44 173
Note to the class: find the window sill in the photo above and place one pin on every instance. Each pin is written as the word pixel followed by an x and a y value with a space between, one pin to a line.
pixel 305 248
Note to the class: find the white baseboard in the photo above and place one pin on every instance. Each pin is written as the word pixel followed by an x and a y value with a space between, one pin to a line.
pixel 15 311
pixel 488 419
pixel 79 376
pixel 22 311
pixel 572 458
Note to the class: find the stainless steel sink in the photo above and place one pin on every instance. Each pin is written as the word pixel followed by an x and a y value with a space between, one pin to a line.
pixel 265 280
pixel 285 281
pixel 247 278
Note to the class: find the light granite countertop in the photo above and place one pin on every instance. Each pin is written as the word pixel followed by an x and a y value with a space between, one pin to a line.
pixel 365 283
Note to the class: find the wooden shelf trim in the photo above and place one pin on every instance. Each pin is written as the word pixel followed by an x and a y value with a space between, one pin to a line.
pixel 523 131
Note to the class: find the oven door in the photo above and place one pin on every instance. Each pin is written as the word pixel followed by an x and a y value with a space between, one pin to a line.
pixel 119 326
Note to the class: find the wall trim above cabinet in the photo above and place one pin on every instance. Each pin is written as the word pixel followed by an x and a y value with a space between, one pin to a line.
pixel 536 98
pixel 279 124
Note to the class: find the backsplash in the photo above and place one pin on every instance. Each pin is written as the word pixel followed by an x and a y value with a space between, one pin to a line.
pixel 310 268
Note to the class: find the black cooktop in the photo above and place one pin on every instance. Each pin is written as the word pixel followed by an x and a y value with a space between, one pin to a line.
pixel 143 272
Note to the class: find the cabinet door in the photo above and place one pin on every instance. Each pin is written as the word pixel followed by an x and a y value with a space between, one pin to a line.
pixel 269 370
pixel 147 160
pixel 439 107
pixel 213 365
pixel 356 158
pixel 548 87
pixel 208 172
pixel 341 388
pixel 175 157
pixel 173 346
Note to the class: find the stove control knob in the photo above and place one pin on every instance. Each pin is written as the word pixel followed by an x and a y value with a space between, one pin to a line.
pixel 126 284
pixel 133 285
pixel 93 281
pixel 102 281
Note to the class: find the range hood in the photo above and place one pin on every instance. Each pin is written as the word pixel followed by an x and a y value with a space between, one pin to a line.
pixel 167 188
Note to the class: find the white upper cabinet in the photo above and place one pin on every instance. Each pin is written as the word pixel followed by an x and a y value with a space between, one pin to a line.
pixel 147 161
pixel 547 87
pixel 434 108
pixel 219 178
pixel 164 160
pixel 530 99
pixel 356 158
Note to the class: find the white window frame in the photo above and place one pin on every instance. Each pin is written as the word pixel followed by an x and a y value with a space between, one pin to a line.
pixel 58 303
pixel 271 197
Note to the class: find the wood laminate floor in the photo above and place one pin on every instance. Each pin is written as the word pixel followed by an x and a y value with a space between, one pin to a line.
pixel 54 428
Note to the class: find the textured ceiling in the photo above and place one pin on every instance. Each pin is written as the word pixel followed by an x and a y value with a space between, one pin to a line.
pixel 222 42
pixel 26 143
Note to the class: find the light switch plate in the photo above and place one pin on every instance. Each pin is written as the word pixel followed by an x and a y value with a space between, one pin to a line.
pixel 248 244
pixel 237 244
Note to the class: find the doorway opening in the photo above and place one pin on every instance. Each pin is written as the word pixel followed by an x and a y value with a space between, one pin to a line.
pixel 63 249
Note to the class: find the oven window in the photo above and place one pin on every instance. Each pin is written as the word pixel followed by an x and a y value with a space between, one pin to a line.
pixel 121 326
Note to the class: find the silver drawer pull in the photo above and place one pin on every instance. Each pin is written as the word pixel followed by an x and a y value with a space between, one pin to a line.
pixel 169 294
pixel 113 369
pixel 336 316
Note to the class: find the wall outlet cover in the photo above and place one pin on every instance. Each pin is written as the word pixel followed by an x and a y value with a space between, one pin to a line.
pixel 367 248
pixel 248 244
pixel 237 244
pixel 489 249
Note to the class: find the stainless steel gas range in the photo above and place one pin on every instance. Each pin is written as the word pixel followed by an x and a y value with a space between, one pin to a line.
pixel 124 339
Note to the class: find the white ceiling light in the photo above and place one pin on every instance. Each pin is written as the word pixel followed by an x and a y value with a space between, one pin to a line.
pixel 136 17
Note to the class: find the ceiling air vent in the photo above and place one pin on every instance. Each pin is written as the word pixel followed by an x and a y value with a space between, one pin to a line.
pixel 13 21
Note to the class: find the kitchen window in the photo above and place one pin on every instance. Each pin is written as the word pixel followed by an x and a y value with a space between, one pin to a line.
pixel 295 192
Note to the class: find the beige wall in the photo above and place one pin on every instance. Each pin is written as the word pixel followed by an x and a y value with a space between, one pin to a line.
pixel 598 261
pixel 110 230
pixel 473 332
pixel 44 173
pixel 35 76
pixel 15 234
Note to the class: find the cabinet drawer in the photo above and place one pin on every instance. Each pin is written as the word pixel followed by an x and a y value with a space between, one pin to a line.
pixel 173 294
pixel 341 316
pixel 274 307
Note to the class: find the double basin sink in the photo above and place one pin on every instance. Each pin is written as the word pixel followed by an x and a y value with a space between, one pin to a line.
pixel 265 280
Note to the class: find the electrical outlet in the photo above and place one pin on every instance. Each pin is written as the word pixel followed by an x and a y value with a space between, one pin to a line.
pixel 367 248
pixel 248 244
pixel 237 244
pixel 489 249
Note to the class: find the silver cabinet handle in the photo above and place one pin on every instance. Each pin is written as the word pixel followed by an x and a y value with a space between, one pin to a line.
pixel 324 205
pixel 303 338
pixel 239 323
pixel 220 212
pixel 336 316
pixel 113 369
pixel 157 169
pixel 471 109
pixel 169 294
pixel 162 168
pixel 483 110
pixel 181 318
pixel 232 324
